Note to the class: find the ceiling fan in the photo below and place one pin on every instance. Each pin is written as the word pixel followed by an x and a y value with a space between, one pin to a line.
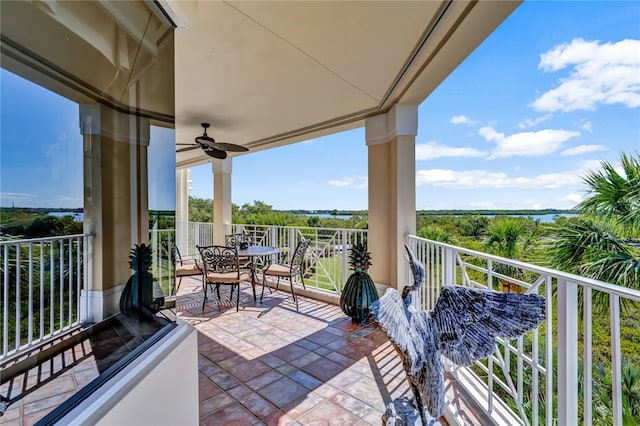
pixel 210 146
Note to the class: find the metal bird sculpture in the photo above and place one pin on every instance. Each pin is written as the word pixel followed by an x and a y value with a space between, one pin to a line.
pixel 462 326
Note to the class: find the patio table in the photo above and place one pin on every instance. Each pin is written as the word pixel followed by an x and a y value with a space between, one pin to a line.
pixel 256 251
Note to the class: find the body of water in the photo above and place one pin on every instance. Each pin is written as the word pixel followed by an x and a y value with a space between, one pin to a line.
pixel 78 217
pixel 543 218
pixel 329 215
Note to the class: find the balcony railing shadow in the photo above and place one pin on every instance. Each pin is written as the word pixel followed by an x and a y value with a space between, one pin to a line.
pixel 271 364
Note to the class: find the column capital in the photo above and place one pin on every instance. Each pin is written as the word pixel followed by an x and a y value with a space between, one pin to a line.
pixel 100 120
pixel 221 166
pixel 400 120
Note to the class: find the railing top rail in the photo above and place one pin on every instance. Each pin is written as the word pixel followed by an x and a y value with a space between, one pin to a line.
pixel 42 239
pixel 624 292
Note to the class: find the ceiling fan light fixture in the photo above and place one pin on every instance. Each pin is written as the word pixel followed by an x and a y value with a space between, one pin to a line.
pixel 211 147
pixel 205 139
pixel 215 153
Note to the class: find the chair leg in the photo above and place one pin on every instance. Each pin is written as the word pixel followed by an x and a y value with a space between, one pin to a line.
pixel 237 297
pixel 204 302
pixel 293 293
pixel 264 282
pixel 218 290
pixel 178 286
pixel 278 284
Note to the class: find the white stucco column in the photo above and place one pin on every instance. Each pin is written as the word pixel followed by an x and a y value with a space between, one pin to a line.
pixel 392 191
pixel 116 207
pixel 221 198
pixel 183 189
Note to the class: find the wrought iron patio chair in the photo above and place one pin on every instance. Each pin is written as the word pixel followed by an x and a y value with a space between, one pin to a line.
pixel 184 267
pixel 221 267
pixel 240 242
pixel 290 271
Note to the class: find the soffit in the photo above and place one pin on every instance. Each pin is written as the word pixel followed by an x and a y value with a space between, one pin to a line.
pixel 269 73
pixel 116 53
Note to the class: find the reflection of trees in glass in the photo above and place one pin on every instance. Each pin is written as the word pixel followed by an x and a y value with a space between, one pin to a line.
pixel 54 293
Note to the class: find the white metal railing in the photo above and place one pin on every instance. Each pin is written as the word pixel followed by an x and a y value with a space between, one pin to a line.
pixel 326 260
pixel 162 242
pixel 41 283
pixel 527 373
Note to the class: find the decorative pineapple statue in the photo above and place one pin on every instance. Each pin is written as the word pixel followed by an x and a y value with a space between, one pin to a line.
pixel 359 291
pixel 137 296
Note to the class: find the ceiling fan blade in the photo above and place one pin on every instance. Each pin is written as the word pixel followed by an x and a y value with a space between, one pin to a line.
pixel 186 144
pixel 215 153
pixel 187 149
pixel 229 147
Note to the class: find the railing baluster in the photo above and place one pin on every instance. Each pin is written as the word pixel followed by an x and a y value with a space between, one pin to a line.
pixel 61 286
pixel 52 262
pixel 616 360
pixel 549 353
pixel 88 272
pixel 345 261
pixel 520 369
pixel 42 282
pixel 70 260
pixel 586 358
pixel 490 383
pixel 80 250
pixel 30 307
pixel 535 375
pixel 18 301
pixel 567 326
pixel 5 302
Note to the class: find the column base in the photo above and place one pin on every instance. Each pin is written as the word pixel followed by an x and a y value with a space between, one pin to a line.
pixel 96 305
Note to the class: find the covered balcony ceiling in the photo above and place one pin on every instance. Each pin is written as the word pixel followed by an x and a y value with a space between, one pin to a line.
pixel 264 73
pixel 267 74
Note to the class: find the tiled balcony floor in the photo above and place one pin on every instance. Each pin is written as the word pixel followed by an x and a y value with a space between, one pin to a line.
pixel 268 364
pixel 264 365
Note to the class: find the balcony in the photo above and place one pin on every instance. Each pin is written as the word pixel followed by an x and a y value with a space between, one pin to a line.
pixel 307 370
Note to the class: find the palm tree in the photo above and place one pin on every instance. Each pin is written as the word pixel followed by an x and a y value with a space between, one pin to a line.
pixel 603 242
pixel 506 237
pixel 436 233
pixel 603 412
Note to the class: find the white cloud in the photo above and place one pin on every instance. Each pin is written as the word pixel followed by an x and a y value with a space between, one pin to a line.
pixel 602 73
pixel 17 195
pixel 583 149
pixel 573 197
pixel 586 125
pixel 530 122
pixel 462 119
pixel 432 150
pixel 474 179
pixel 358 182
pixel 526 143
pixel 590 165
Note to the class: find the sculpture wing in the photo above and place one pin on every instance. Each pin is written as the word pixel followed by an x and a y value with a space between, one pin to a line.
pixel 466 321
pixel 400 324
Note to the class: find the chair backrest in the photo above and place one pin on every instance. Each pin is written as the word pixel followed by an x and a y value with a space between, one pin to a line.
pixel 219 259
pixel 236 240
pixel 298 255
pixel 176 256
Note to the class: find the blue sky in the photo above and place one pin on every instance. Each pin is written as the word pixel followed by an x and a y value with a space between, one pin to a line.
pixel 549 94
